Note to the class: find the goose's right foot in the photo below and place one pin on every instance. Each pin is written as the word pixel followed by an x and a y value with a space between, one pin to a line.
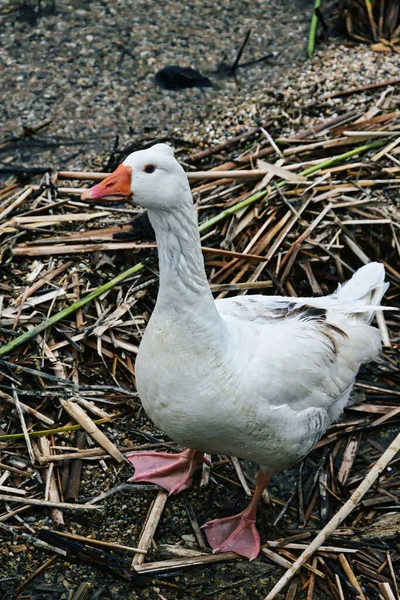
pixel 173 472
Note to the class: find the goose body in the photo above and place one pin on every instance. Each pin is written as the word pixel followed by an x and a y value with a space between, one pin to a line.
pixel 261 380
pixel 254 376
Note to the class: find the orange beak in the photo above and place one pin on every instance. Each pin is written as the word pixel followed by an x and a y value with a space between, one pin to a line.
pixel 113 188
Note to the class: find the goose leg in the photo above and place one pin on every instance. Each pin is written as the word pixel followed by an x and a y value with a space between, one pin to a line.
pixel 239 533
pixel 173 472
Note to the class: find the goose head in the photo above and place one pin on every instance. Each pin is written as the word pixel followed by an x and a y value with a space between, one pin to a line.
pixel 151 178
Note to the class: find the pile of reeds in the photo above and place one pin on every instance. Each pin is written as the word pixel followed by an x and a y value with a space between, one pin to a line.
pixel 374 22
pixel 278 215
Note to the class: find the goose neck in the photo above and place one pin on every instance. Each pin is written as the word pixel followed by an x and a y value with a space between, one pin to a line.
pixel 183 280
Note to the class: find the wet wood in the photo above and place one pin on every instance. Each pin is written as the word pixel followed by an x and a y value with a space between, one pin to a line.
pixel 86 422
pixel 150 527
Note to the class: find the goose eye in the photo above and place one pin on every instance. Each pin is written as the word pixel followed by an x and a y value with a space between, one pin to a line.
pixel 149 169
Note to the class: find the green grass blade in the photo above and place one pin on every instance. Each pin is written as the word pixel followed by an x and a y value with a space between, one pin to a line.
pixel 313 29
pixel 68 311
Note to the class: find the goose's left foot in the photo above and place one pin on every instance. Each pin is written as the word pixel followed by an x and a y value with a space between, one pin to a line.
pixel 173 472
pixel 234 534
pixel 239 533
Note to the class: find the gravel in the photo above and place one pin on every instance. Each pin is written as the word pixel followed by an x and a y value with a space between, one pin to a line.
pixel 68 65
pixel 90 66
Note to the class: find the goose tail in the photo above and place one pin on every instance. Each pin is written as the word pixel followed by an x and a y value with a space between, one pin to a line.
pixel 364 291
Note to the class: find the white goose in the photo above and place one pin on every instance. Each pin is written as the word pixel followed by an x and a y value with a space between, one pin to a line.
pixel 256 377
